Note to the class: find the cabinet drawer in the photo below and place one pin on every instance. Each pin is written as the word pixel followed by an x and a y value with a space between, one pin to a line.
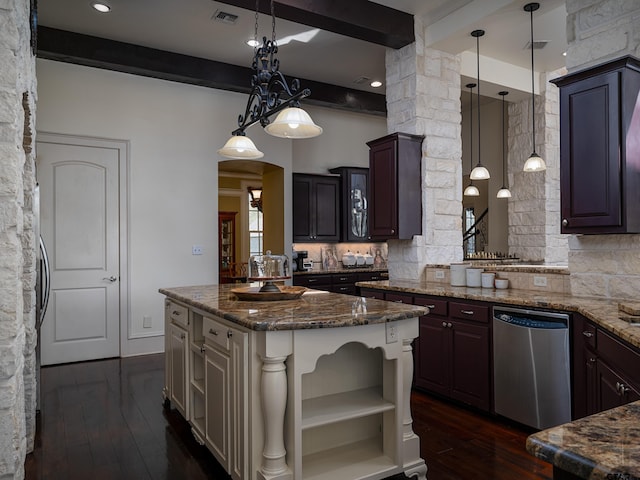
pixel 216 333
pixel 436 307
pixel 398 298
pixel 312 281
pixel 369 293
pixel 625 360
pixel 466 311
pixel 372 276
pixel 344 278
pixel 345 288
pixel 178 314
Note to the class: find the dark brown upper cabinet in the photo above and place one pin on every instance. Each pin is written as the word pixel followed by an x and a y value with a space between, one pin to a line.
pixel 316 208
pixel 355 203
pixel 600 148
pixel 395 188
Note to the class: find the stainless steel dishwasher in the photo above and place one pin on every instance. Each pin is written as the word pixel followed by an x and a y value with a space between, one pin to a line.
pixel 531 368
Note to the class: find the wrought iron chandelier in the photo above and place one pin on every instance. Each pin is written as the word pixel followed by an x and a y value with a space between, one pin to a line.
pixel 270 94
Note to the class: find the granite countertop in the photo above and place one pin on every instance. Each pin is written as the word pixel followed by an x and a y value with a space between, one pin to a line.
pixel 603 312
pixel 604 446
pixel 315 309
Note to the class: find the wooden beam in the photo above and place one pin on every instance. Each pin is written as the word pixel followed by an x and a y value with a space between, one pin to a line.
pixel 123 57
pixel 360 19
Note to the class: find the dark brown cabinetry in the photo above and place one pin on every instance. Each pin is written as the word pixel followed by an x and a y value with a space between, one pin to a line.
pixel 606 371
pixel 599 150
pixel 344 282
pixel 395 189
pixel 355 203
pixel 452 354
pixel 316 208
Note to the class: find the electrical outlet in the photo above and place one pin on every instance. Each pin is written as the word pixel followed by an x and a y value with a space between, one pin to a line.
pixel 196 250
pixel 146 321
pixel 440 274
pixel 539 281
pixel 392 332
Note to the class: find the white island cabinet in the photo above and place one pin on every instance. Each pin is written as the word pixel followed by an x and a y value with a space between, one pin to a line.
pixel 313 388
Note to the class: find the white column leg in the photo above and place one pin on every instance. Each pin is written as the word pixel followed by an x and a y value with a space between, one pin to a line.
pixel 412 463
pixel 274 403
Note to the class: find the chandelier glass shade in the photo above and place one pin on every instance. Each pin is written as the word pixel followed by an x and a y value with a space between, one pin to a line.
pixel 534 163
pixel 479 172
pixel 270 94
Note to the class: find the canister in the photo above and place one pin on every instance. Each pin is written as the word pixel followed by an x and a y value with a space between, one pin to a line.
pixel 474 277
pixel 487 279
pixel 458 274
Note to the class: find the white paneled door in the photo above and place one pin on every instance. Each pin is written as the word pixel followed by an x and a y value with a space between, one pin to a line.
pixel 80 225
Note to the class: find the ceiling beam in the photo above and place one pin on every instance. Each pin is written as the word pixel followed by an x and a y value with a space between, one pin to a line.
pixel 70 47
pixel 359 19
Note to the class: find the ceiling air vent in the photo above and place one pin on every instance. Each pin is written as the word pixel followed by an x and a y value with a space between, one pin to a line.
pixel 225 17
pixel 537 45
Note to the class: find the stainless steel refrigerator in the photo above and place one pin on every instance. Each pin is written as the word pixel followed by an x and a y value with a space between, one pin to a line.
pixel 43 285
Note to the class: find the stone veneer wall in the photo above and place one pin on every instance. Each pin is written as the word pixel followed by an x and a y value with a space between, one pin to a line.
pixel 534 208
pixel 423 98
pixel 599 31
pixel 17 239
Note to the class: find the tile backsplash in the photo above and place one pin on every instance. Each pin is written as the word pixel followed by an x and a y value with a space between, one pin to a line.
pixel 315 250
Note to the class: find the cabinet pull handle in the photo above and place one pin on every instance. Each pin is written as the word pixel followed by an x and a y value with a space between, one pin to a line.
pixel 622 388
pixel 467 312
pixel 183 336
pixel 565 222
pixel 587 334
pixel 213 332
pixel 229 333
pixel 430 306
pixel 176 313
pixel 202 348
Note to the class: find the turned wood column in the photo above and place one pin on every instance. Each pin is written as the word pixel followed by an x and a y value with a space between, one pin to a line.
pixel 274 403
pixel 407 379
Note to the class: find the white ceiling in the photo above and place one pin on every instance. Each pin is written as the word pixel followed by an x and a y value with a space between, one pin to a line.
pixel 186 27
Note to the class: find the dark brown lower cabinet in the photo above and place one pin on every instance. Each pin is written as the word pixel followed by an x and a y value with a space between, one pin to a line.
pixel 344 282
pixel 606 371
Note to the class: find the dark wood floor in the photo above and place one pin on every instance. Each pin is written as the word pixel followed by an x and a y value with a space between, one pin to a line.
pixel 105 420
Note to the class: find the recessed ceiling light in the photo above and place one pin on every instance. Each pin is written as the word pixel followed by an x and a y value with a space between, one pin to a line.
pixel 252 42
pixel 376 84
pixel 101 7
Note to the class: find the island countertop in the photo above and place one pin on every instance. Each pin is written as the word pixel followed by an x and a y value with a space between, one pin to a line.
pixel 315 309
pixel 604 446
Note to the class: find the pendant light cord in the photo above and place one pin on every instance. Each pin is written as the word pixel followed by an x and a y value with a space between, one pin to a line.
pixel 533 96
pixel 505 182
pixel 478 69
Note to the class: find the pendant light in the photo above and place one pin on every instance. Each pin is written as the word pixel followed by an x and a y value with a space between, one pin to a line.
pixel 471 190
pixel 479 172
pixel 534 163
pixel 504 191
pixel 270 94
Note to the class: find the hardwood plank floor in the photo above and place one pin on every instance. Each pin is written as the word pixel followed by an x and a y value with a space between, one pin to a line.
pixel 105 420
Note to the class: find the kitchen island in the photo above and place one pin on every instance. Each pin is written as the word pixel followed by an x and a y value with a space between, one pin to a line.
pixel 313 388
pixel 604 446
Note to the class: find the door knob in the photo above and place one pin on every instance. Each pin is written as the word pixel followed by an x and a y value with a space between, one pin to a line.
pixel 112 278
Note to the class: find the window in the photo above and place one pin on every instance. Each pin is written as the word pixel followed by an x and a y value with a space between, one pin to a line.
pixel 256 227
pixel 469 239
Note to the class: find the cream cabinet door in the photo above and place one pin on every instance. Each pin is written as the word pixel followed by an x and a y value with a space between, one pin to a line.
pixel 217 392
pixel 178 349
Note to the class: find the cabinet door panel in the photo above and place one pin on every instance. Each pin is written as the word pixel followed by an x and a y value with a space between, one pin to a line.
pixel 178 344
pixel 302 208
pixel 591 183
pixel 609 394
pixel 327 210
pixel 432 372
pixel 470 380
pixel 382 174
pixel 218 413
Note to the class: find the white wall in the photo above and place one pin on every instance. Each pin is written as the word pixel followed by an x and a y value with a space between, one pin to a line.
pixel 174 132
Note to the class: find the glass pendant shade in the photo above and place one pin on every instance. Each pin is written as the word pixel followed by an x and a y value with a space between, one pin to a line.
pixel 534 163
pixel 240 147
pixel 293 122
pixel 479 173
pixel 471 191
pixel 504 193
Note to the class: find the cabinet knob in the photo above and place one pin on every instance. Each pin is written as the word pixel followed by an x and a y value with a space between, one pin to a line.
pixel 565 222
pixel 592 360
pixel 587 334
pixel 229 334
pixel 444 324
pixel 622 388
pixel 202 348
pixel 393 231
pixel 213 332
pixel 183 336
pixel 449 325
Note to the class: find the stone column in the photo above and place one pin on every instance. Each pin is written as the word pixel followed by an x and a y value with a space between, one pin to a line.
pixel 17 240
pixel 599 31
pixel 423 98
pixel 534 209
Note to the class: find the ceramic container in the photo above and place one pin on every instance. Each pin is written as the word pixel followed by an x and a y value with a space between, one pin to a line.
pixel 474 277
pixel 458 273
pixel 368 258
pixel 348 259
pixel 502 283
pixel 487 279
pixel 359 259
